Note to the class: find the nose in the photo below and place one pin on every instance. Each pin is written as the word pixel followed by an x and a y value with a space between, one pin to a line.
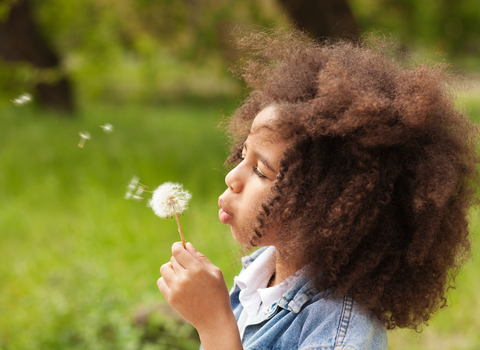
pixel 234 179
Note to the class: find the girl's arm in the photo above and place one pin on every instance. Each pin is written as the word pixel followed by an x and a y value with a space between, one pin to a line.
pixel 195 288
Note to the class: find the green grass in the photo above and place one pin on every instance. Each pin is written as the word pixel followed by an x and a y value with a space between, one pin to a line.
pixel 79 263
pixel 77 258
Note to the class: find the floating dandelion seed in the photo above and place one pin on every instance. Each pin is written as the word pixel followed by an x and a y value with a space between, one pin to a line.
pixel 107 128
pixel 140 190
pixel 170 200
pixel 84 135
pixel 131 187
pixel 22 99
pixel 137 187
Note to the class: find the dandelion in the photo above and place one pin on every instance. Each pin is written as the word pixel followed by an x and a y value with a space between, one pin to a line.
pixel 170 200
pixel 22 99
pixel 107 128
pixel 84 135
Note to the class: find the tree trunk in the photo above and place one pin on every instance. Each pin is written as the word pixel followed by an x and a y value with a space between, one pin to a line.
pixel 323 18
pixel 20 40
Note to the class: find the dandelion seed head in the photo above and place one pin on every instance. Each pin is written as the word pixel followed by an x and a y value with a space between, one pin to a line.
pixel 169 199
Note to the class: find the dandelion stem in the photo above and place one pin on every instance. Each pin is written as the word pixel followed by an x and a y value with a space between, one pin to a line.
pixel 180 230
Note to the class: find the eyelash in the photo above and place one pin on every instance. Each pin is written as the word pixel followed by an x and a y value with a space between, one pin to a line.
pixel 260 175
pixel 255 170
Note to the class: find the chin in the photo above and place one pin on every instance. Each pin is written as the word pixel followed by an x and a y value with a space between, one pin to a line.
pixel 243 239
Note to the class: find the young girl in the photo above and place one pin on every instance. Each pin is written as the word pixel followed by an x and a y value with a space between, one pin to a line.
pixel 355 175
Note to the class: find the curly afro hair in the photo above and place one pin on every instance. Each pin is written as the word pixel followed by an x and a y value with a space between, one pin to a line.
pixel 379 173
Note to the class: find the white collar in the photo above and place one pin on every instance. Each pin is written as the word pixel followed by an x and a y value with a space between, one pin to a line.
pixel 253 281
pixel 254 295
pixel 257 274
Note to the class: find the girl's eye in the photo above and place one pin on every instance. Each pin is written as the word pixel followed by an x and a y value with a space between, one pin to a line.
pixel 256 171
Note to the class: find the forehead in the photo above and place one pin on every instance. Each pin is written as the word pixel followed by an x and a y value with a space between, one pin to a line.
pixel 264 126
pixel 263 136
pixel 264 120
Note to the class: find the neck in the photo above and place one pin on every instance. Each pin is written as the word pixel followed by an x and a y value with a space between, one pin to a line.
pixel 284 268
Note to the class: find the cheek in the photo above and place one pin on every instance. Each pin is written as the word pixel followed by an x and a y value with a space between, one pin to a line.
pixel 243 229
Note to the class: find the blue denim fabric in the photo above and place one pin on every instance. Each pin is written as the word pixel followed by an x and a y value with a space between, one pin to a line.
pixel 303 319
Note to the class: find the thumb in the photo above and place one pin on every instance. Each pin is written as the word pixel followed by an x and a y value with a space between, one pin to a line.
pixel 200 257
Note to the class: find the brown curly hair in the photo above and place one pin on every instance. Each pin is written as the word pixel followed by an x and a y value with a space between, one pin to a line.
pixel 379 173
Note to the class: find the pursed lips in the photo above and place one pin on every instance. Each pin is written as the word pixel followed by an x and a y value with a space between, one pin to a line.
pixel 221 204
pixel 223 214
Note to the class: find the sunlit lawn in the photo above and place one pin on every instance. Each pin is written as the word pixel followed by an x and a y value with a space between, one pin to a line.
pixel 79 263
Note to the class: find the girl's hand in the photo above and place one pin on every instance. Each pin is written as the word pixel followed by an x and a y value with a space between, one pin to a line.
pixel 195 288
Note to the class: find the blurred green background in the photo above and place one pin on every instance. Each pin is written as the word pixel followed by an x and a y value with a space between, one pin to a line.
pixel 79 263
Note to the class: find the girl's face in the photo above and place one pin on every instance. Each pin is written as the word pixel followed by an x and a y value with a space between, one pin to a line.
pixel 249 183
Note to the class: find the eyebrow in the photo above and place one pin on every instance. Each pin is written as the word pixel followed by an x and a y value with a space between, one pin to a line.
pixel 261 158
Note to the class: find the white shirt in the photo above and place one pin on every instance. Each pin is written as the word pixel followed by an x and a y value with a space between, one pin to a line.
pixel 254 296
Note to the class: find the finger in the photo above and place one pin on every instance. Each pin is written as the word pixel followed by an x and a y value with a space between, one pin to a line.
pixel 164 266
pixel 200 257
pixel 163 287
pixel 177 268
pixel 182 256
pixel 168 273
pixel 177 247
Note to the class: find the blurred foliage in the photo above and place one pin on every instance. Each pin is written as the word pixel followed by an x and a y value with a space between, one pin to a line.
pixel 448 26
pixel 5 8
pixel 125 51
pixel 143 50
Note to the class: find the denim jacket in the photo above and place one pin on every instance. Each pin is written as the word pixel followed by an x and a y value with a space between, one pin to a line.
pixel 303 319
